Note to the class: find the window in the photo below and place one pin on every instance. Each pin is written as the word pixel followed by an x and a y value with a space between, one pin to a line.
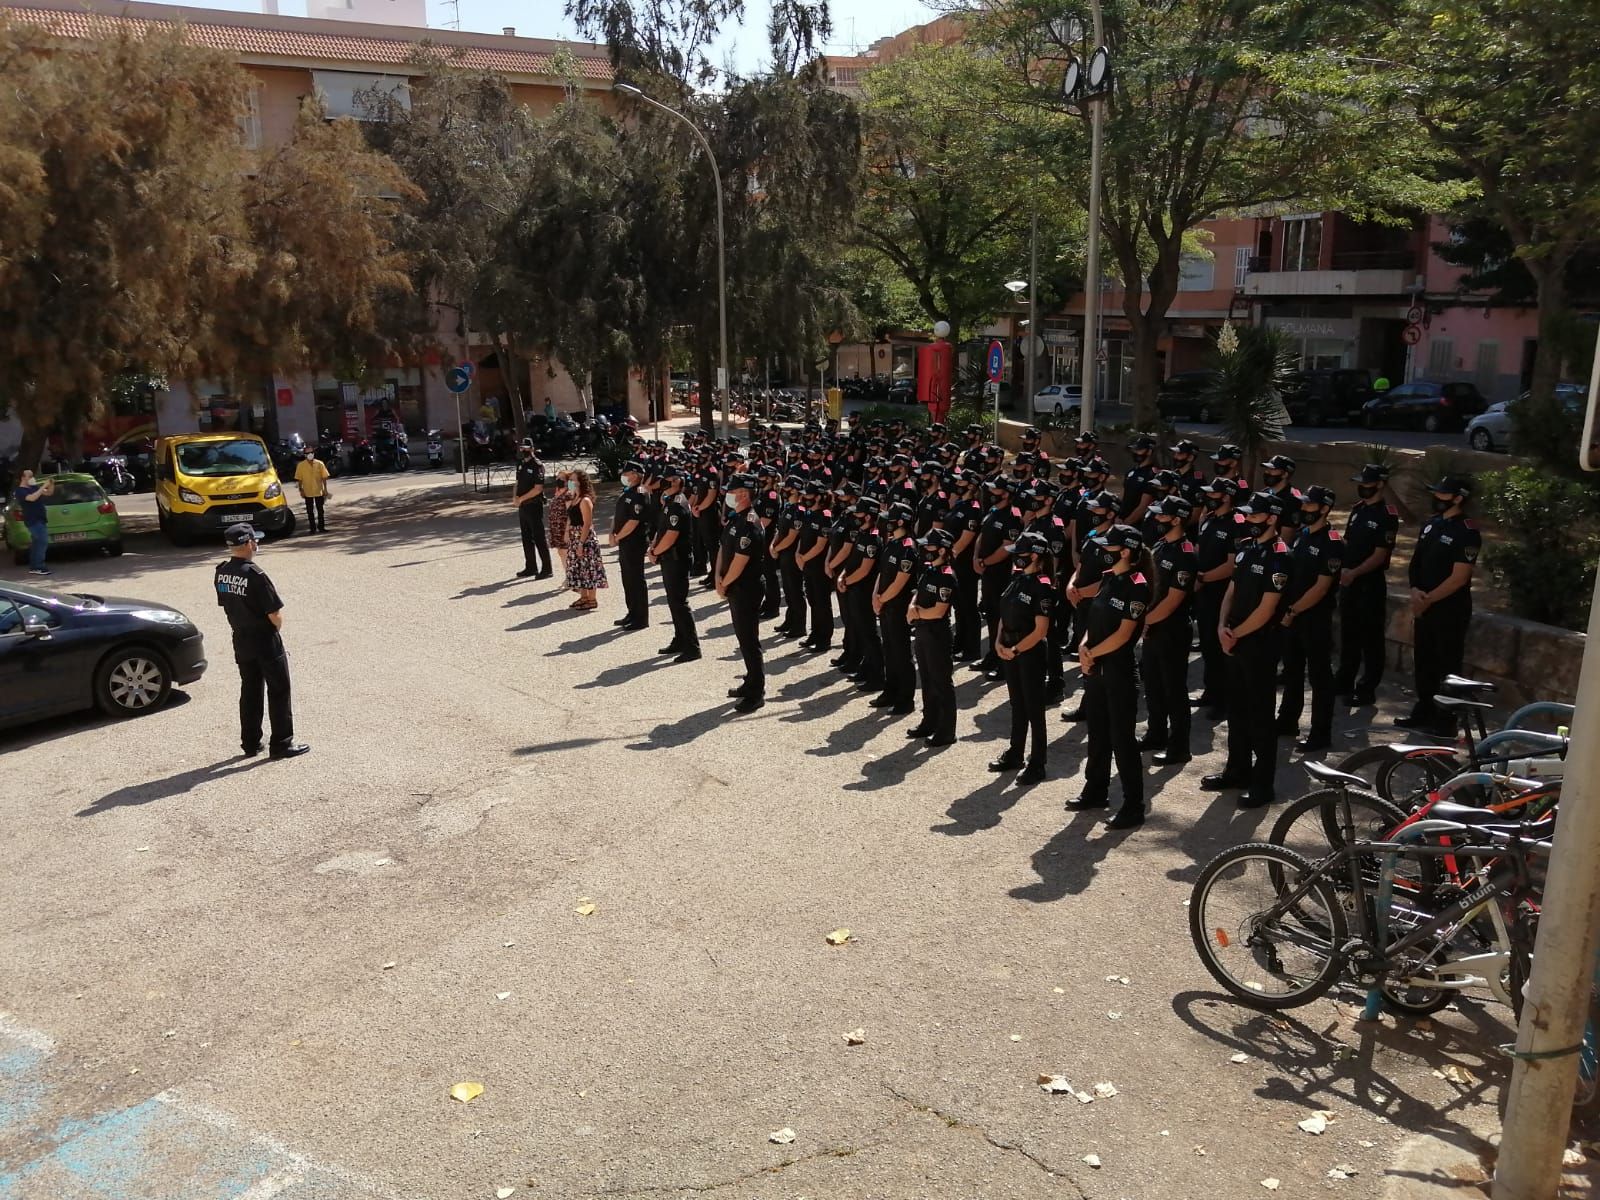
pixel 1488 366
pixel 349 93
pixel 1196 273
pixel 75 491
pixel 10 618
pixel 1441 356
pixel 14 617
pixel 1302 243
pixel 250 119
pixel 1241 267
pixel 242 457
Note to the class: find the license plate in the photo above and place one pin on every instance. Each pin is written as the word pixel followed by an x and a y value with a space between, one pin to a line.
pixel 235 518
pixel 68 537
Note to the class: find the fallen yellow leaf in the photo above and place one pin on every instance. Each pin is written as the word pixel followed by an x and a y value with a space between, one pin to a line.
pixel 585 907
pixel 466 1091
pixel 838 937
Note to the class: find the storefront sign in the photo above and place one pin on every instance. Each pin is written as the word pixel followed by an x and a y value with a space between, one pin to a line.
pixel 1316 327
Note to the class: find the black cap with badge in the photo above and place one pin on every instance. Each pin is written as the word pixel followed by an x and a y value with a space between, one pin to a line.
pixel 1262 502
pixel 1121 537
pixel 942 538
pixel 1453 485
pixel 238 535
pixel 1371 473
pixel 1029 543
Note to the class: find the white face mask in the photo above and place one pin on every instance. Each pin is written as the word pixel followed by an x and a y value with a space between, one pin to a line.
pixel 732 503
pixel 572 485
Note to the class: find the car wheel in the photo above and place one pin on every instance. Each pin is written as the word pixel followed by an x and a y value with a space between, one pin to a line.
pixel 1058 410
pixel 1481 440
pixel 287 530
pixel 1204 415
pixel 114 548
pixel 1369 420
pixel 132 681
pixel 1431 423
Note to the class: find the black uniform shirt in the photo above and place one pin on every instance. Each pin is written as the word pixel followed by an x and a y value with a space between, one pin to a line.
pixel 935 586
pixel 247 596
pixel 865 546
pixel 1090 569
pixel 675 518
pixel 1312 556
pixel 1026 598
pixel 1292 500
pixel 840 532
pixel 632 506
pixel 742 535
pixel 900 557
pixel 1444 542
pixel 813 525
pixel 1134 485
pixel 965 516
pixel 1121 598
pixel 1192 487
pixel 1000 528
pixel 530 475
pixel 788 518
pixel 1053 531
pixel 1370 527
pixel 1176 568
pixel 1259 569
pixel 931 509
pixel 1218 541
pixel 767 505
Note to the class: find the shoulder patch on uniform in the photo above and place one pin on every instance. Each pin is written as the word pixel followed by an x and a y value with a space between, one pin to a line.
pixel 1391 510
pixel 1279 578
pixel 1469 522
pixel 1138 578
pixel 1335 536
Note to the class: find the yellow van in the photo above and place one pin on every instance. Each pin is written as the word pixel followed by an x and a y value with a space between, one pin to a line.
pixel 208 481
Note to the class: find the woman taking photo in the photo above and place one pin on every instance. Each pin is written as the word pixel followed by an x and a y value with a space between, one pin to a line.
pixel 584 568
pixel 556 517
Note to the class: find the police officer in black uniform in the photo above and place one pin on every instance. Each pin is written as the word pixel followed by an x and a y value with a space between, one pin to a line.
pixel 255 614
pixel 1369 537
pixel 811 556
pixel 670 550
pixel 1097 513
pixel 1316 558
pixel 1441 598
pixel 1110 683
pixel 1216 544
pixel 897 573
pixel 706 506
pixel 1228 460
pixel 841 537
pixel 856 582
pixel 963 520
pixel 930 627
pixel 630 534
pixel 1038 507
pixel 1025 610
pixel 1250 638
pixel 738 573
pixel 785 543
pixel 1136 495
pixel 1278 475
pixel 990 555
pixel 1164 660
pixel 768 504
pixel 528 496
pixel 1191 479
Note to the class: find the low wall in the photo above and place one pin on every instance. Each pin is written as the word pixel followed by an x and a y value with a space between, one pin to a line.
pixel 1528 660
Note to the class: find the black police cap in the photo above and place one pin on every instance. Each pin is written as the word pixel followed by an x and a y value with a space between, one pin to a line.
pixel 1089 436
pixel 1317 494
pixel 1280 462
pixel 1107 500
pixel 1166 479
pixel 1029 543
pixel 746 482
pixel 1225 487
pixel 1143 442
pixel 1173 506
pixel 1227 452
pixel 1185 446
pixel 1371 473
pixel 632 464
pixel 901 511
pixel 1453 485
pixel 942 538
pixel 1121 536
pixel 866 506
pixel 1097 466
pixel 1262 502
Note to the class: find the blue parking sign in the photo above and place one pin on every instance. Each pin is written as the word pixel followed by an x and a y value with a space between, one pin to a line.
pixel 997 361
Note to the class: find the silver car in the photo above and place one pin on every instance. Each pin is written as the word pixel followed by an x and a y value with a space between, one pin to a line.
pixel 1493 430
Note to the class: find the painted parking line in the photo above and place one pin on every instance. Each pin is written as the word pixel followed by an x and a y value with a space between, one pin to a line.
pixel 165 1147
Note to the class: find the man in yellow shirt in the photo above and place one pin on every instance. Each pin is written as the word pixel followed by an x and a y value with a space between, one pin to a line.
pixel 311 477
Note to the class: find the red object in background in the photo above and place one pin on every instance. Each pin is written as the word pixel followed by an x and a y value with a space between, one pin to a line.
pixel 285 397
pixel 353 431
pixel 935 375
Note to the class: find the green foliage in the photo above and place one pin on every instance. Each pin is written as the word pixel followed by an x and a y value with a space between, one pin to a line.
pixel 1546 556
pixel 1253 364
pixel 911 414
pixel 965 412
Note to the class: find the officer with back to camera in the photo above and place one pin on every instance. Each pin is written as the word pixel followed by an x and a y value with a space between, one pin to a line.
pixel 527 497
pixel 671 550
pixel 1369 537
pixel 1024 612
pixel 929 615
pixel 739 570
pixel 891 600
pixel 1164 662
pixel 1441 598
pixel 630 534
pixel 255 614
pixel 1316 557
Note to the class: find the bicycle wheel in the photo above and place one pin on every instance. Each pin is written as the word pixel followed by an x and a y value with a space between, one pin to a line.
pixel 1402 782
pixel 1268 953
pixel 1586 1100
pixel 1312 825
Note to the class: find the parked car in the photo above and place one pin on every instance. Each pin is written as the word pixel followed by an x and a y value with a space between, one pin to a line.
pixel 1185 396
pixel 1495 428
pixel 1058 400
pixel 77 513
pixel 60 653
pixel 1338 393
pixel 1424 404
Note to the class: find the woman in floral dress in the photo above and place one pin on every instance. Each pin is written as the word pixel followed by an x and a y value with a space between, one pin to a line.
pixel 556 518
pixel 584 567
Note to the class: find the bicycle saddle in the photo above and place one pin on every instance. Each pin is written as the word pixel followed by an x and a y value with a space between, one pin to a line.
pixel 1459 683
pixel 1400 750
pixel 1456 702
pixel 1323 773
pixel 1466 814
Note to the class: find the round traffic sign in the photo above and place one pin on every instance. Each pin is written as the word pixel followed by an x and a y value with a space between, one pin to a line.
pixel 1414 314
pixel 996 360
pixel 458 379
pixel 1411 334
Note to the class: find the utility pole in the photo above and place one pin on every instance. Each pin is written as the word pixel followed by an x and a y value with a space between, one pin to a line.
pixel 1556 1001
pixel 1091 285
pixel 1029 346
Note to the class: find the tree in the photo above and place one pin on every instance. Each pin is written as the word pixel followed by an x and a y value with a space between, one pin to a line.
pixel 1506 90
pixel 120 208
pixel 1215 106
pixel 947 191
pixel 1253 365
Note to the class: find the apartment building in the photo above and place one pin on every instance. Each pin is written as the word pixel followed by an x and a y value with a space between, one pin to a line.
pixel 291 58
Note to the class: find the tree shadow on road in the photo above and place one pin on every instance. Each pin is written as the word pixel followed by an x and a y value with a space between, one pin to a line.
pixel 173 785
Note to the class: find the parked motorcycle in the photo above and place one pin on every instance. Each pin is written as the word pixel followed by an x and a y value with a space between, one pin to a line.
pixel 363 459
pixel 389 449
pixel 111 469
pixel 331 451
pixel 286 455
pixel 435 448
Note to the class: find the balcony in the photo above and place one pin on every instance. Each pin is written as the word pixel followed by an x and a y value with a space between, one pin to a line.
pixel 1352 273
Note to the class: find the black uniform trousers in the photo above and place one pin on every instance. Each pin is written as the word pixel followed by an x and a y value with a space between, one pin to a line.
pixel 1438 649
pixel 1110 706
pixel 315 518
pixel 863 622
pixel 794 594
pixel 675 583
pixel 697 546
pixel 1251 692
pixel 1164 663
pixel 744 606
pixel 1207 613
pixel 630 561
pixel 819 599
pixel 270 676
pixel 932 640
pixel 1055 673
pixel 850 650
pixel 535 541
pixel 991 585
pixel 1025 693
pixel 771 597
pixel 1363 614
pixel 969 623
pixel 710 530
pixel 1308 651
pixel 899 673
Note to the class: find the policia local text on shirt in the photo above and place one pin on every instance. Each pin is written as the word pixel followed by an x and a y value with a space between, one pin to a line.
pixel 255 613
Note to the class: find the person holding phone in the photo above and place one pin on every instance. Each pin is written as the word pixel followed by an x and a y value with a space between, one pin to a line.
pixel 31 497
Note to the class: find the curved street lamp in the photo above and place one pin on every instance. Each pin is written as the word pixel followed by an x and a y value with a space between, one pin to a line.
pixel 629 89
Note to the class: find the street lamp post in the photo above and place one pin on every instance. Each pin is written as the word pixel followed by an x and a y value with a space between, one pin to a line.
pixel 1016 287
pixel 629 89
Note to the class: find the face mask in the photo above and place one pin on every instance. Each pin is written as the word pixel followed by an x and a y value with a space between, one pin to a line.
pixel 1257 528
pixel 732 503
pixel 1110 556
pixel 1182 461
pixel 1443 505
pixel 572 485
pixel 1215 502
pixel 1368 490
pixel 1310 518
pixel 1273 478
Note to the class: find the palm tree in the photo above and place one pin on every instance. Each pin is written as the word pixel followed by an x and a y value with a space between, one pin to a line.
pixel 1253 366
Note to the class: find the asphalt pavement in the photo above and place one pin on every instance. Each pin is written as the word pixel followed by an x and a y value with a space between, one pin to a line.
pixel 527 854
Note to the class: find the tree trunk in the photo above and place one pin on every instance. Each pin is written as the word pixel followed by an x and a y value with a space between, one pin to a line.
pixel 1146 370
pixel 1550 282
pixel 31 450
pixel 513 381
pixel 706 372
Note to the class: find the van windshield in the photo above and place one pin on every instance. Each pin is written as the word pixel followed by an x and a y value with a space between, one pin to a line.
pixel 241 457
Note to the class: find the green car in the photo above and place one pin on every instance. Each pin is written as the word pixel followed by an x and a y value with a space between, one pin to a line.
pixel 78 513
